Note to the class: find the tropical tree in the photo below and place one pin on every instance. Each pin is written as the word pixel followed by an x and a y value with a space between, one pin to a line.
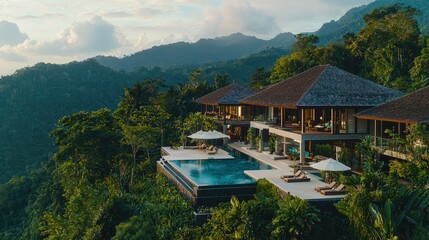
pixel 420 69
pixel 303 57
pixel 260 79
pixel 416 168
pixel 220 80
pixel 388 43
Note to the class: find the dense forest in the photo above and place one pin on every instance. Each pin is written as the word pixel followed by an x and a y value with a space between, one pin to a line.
pixel 36 97
pixel 99 182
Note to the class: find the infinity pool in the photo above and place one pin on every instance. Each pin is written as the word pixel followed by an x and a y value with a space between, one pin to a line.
pixel 218 171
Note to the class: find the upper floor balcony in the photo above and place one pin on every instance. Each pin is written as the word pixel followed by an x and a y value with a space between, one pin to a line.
pixel 398 149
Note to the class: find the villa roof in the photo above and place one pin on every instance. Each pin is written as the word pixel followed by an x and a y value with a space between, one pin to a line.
pixel 323 85
pixel 228 95
pixel 411 108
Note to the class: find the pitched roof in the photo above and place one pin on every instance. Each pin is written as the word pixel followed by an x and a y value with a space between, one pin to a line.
pixel 228 95
pixel 411 108
pixel 323 85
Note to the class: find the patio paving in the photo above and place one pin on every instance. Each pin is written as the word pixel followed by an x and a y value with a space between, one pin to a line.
pixel 192 154
pixel 303 190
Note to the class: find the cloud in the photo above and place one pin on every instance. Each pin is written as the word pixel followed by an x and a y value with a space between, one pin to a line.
pixel 10 34
pixel 237 16
pixel 93 36
pixel 12 56
pixel 117 14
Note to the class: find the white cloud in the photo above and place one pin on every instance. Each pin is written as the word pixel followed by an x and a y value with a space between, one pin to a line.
pixel 93 36
pixel 241 17
pixel 9 54
pixel 10 34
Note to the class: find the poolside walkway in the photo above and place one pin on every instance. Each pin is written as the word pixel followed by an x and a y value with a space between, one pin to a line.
pixel 181 153
pixel 303 190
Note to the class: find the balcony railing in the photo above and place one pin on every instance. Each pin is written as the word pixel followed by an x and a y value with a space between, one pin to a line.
pixel 229 117
pixel 397 149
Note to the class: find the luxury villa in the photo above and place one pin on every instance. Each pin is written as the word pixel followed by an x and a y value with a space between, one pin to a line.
pixel 321 106
pixel 396 116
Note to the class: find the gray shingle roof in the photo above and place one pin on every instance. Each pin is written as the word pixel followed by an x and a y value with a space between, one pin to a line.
pixel 324 85
pixel 411 108
pixel 228 95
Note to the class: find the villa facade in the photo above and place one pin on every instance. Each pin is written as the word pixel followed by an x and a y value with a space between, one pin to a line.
pixel 233 118
pixel 396 116
pixel 317 106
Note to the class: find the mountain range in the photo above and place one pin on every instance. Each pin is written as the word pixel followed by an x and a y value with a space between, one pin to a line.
pixel 203 51
pixel 237 45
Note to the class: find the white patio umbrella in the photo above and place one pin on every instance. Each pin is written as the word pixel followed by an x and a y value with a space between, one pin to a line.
pixel 331 165
pixel 206 135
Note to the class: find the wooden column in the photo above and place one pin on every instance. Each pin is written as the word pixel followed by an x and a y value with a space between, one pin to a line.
pixel 302 121
pixel 302 153
pixel 332 121
pixel 281 117
pixel 375 132
pixel 284 146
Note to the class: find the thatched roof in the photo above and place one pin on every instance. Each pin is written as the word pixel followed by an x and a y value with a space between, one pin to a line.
pixel 228 95
pixel 411 108
pixel 321 86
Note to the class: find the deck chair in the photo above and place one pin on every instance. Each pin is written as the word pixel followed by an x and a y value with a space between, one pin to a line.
pixel 301 178
pixel 212 150
pixel 336 191
pixel 327 187
pixel 297 174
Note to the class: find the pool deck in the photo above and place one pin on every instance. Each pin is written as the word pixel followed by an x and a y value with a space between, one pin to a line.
pixel 303 190
pixel 181 153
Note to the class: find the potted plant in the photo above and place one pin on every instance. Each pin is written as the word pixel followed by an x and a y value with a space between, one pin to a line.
pixel 272 143
pixel 250 137
pixel 258 140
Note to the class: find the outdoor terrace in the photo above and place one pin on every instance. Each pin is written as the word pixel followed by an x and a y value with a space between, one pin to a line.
pixel 205 195
pixel 303 190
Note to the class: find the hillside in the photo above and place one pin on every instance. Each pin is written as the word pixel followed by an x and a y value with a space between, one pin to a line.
pixel 203 51
pixel 352 21
pixel 34 98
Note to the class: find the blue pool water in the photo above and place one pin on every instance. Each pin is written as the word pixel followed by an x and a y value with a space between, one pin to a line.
pixel 218 171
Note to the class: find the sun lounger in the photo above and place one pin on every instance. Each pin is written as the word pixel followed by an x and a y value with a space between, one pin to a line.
pixel 297 174
pixel 336 191
pixel 202 146
pixel 301 178
pixel 327 187
pixel 211 150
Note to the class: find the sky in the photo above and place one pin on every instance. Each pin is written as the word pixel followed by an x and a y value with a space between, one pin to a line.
pixel 60 31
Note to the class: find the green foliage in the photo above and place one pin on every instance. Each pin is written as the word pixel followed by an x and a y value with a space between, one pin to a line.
pixel 420 69
pixel 267 189
pixel 262 218
pixel 369 154
pixel 194 123
pixel 415 169
pixel 251 135
pixel 345 156
pixel 389 44
pixel 377 206
pixel 272 142
pixel 323 150
pixel 220 81
pixel 34 98
pixel 295 219
pixel 260 79
pixel 302 58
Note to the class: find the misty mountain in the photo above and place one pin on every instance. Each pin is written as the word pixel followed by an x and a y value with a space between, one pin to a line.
pixel 203 51
pixel 352 21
